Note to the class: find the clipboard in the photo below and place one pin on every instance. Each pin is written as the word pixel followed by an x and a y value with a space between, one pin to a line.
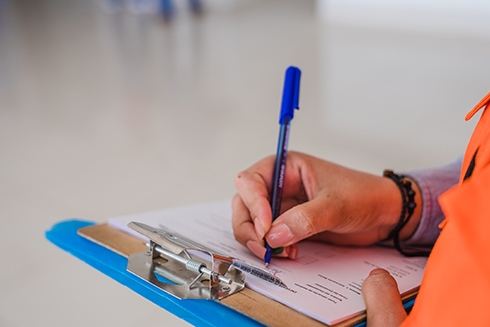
pixel 106 249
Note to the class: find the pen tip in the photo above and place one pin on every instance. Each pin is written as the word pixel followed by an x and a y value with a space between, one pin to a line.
pixel 266 264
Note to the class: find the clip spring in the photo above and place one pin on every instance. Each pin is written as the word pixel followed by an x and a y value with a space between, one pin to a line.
pixel 192 265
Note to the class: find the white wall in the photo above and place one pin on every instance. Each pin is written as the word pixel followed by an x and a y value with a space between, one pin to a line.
pixel 439 16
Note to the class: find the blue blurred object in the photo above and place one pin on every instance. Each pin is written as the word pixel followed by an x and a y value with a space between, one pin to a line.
pixel 167 8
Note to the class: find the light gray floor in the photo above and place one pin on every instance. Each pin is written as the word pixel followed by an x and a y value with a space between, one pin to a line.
pixel 111 114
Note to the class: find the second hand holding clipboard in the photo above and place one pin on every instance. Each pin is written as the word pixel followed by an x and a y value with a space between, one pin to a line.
pixel 193 271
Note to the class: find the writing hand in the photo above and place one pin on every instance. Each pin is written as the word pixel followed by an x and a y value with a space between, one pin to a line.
pixel 321 201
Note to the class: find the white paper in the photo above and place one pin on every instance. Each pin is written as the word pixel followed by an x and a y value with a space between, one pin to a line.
pixel 324 282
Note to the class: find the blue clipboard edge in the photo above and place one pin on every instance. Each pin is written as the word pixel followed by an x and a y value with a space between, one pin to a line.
pixel 196 312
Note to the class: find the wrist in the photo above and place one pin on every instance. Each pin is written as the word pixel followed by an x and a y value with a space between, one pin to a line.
pixel 406 226
pixel 389 209
pixel 395 208
pixel 409 229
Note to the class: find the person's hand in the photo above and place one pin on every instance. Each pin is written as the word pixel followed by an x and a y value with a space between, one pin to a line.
pixel 321 201
pixel 384 307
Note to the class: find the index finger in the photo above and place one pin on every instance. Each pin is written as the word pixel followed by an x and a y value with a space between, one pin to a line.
pixel 244 231
pixel 243 227
pixel 252 187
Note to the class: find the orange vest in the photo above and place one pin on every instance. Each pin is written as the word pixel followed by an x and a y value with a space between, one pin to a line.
pixel 455 290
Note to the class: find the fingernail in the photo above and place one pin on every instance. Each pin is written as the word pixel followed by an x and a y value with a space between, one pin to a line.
pixel 283 253
pixel 257 248
pixel 377 271
pixel 259 229
pixel 279 235
pixel 293 251
pixel 277 251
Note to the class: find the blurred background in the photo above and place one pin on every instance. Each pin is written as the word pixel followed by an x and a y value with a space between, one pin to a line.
pixel 116 107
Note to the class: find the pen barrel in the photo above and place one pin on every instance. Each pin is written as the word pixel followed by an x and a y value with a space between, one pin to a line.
pixel 280 169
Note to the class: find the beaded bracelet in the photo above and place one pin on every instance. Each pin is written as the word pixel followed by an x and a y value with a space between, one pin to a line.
pixel 408 207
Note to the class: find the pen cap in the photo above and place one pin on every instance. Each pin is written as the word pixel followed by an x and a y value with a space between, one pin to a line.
pixel 290 95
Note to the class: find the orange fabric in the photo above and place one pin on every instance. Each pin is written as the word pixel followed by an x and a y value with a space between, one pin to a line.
pixel 455 290
pixel 483 103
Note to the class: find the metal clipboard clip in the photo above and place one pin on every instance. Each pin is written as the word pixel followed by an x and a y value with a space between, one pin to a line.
pixel 184 272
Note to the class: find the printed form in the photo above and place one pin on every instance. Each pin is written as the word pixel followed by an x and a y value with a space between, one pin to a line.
pixel 324 282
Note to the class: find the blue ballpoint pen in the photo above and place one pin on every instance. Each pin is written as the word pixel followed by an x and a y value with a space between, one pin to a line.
pixel 290 101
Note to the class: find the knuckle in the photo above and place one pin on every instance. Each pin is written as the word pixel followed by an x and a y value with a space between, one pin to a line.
pixel 239 178
pixel 238 233
pixel 306 222
pixel 238 236
pixel 235 201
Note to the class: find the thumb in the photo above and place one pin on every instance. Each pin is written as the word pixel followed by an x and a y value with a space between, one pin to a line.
pixel 383 302
pixel 291 227
pixel 298 223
